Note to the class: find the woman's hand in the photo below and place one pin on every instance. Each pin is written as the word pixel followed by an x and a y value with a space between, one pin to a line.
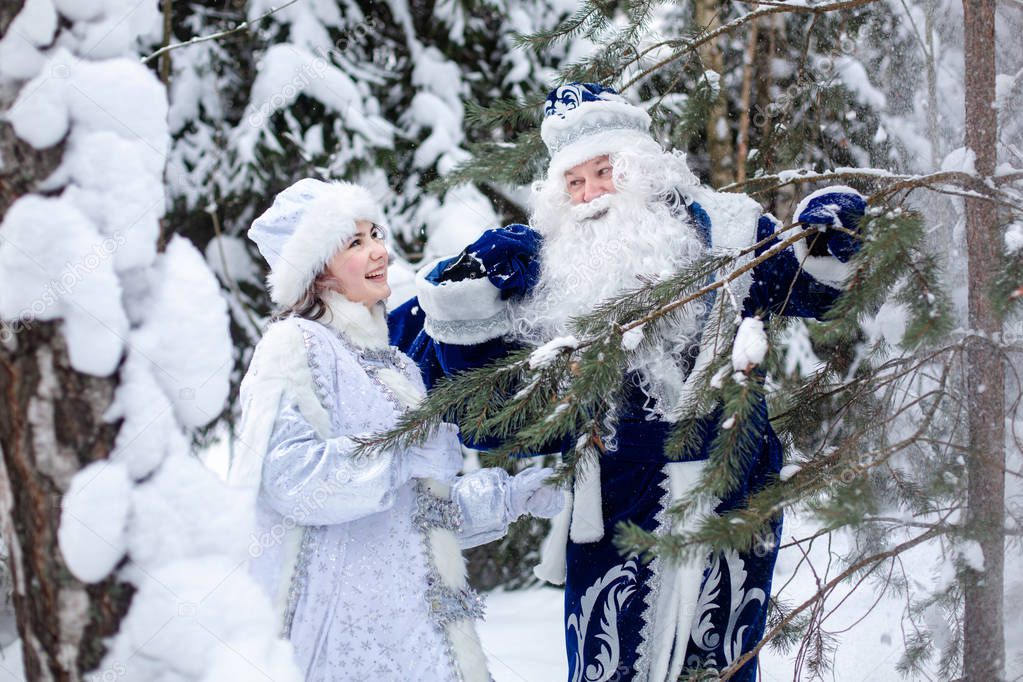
pixel 528 494
pixel 439 458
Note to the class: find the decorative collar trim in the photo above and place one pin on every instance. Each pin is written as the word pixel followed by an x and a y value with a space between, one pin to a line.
pixel 362 326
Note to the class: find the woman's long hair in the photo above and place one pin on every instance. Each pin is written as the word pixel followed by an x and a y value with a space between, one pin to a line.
pixel 310 304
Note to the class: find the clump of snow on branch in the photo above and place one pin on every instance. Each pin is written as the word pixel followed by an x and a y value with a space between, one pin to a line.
pixel 788 471
pixel 31 30
pixel 547 353
pixel 93 520
pixel 632 338
pixel 750 345
pixel 288 71
pixel 43 278
pixel 1014 238
pixel 197 384
pixel 86 254
pixel 962 159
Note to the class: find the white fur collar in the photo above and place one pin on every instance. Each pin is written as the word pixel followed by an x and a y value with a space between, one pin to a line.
pixel 363 327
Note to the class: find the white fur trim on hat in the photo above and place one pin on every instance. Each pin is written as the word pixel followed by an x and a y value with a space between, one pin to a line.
pixel 591 129
pixel 324 227
pixel 600 144
pixel 561 129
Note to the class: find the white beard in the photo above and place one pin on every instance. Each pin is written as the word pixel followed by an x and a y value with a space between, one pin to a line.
pixel 596 251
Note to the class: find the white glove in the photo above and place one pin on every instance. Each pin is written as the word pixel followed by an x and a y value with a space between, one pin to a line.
pixel 439 458
pixel 528 494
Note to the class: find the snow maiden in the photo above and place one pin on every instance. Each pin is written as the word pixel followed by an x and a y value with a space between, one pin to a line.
pixel 360 555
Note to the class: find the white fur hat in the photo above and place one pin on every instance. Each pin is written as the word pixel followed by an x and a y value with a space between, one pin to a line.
pixel 585 120
pixel 303 229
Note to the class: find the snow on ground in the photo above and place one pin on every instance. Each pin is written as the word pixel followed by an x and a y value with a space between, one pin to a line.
pixel 12 668
pixel 523 639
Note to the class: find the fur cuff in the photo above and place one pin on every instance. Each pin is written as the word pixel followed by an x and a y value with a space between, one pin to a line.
pixel 825 269
pixel 466 312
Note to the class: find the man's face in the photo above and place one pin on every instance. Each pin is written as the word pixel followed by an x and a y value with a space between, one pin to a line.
pixel 589 180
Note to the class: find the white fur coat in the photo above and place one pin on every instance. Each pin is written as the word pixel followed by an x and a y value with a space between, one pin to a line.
pixel 363 563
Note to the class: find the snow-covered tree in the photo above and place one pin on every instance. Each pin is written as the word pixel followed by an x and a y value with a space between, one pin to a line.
pixel 126 553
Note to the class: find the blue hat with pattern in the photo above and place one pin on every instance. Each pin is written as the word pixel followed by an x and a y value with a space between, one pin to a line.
pixel 586 120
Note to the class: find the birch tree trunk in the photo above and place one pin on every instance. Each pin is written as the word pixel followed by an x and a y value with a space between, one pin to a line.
pixel 984 642
pixel 51 425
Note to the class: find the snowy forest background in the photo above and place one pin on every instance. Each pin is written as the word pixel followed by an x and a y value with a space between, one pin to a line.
pixel 130 299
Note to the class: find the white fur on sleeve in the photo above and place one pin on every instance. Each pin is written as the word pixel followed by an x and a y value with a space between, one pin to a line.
pixel 825 269
pixel 464 313
pixel 279 366
pixel 733 227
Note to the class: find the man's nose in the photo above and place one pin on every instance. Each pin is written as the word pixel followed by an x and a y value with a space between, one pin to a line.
pixel 592 190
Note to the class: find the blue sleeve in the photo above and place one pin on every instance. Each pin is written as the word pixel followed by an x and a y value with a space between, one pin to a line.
pixel 781 287
pixel 404 323
pixel 436 359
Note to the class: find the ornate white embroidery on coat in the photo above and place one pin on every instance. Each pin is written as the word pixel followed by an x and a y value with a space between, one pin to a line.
pixel 656 580
pixel 704 634
pixel 611 591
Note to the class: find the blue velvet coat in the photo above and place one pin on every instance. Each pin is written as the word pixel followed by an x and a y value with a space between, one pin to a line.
pixel 607 595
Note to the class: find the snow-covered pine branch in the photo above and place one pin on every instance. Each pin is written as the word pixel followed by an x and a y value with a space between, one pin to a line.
pixel 241 26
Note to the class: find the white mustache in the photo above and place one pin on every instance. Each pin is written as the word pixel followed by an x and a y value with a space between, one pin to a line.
pixel 592 210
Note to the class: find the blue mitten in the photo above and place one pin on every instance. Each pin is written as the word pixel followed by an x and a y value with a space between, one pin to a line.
pixel 834 207
pixel 508 256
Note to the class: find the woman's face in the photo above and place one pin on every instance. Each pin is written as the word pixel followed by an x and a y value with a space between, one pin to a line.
pixel 360 266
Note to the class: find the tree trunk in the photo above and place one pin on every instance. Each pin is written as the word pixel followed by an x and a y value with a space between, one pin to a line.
pixel 984 642
pixel 746 99
pixel 51 425
pixel 763 85
pixel 718 131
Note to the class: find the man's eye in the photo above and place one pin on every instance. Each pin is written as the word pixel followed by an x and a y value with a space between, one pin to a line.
pixel 605 170
pixel 378 233
pixel 354 243
pixel 574 183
